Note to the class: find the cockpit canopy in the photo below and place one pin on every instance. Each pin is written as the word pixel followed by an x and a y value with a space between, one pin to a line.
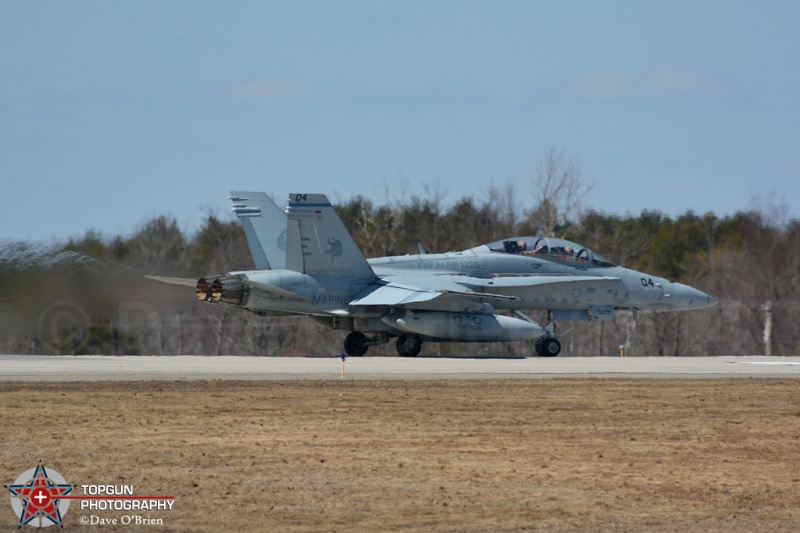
pixel 550 248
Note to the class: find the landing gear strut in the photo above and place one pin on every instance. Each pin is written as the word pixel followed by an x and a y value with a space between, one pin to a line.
pixel 548 344
pixel 409 345
pixel 356 343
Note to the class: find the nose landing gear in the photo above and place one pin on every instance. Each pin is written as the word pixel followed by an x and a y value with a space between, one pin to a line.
pixel 548 345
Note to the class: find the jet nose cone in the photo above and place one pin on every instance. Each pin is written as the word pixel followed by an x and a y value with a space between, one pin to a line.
pixel 685 297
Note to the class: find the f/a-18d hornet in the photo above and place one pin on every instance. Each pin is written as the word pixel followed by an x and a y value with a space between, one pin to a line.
pixel 308 264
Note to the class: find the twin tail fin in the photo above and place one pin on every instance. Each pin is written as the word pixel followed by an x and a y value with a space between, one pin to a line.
pixel 318 242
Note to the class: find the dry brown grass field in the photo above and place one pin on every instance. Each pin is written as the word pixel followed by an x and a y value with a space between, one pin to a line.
pixel 483 455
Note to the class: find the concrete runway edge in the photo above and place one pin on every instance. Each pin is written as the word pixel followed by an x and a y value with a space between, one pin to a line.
pixel 39 368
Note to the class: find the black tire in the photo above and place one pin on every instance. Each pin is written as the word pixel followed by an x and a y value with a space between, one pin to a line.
pixel 408 345
pixel 551 347
pixel 354 345
pixel 539 348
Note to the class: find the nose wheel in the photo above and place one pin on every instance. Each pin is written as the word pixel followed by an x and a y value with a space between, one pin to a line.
pixel 548 347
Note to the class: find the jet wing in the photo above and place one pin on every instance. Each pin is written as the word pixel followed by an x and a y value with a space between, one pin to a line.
pixel 393 295
pixel 446 296
pixel 457 293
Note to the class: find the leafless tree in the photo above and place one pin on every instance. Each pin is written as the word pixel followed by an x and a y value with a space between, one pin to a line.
pixel 505 201
pixel 558 190
pixel 772 211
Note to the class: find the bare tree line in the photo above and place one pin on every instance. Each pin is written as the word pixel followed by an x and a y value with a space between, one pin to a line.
pixel 88 295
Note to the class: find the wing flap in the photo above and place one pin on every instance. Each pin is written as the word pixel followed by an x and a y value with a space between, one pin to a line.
pixel 394 295
pixel 390 295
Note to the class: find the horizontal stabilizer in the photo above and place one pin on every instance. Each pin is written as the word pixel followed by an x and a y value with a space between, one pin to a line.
pixel 275 292
pixel 186 282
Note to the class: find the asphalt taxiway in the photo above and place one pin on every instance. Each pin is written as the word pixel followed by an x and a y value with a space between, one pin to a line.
pixel 34 368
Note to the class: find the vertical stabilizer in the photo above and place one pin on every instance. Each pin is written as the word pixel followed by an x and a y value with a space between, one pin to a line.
pixel 264 226
pixel 324 246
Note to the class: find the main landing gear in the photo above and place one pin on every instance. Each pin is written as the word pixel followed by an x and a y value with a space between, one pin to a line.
pixel 409 345
pixel 548 347
pixel 356 344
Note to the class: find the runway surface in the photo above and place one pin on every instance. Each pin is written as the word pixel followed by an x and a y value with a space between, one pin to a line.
pixel 123 368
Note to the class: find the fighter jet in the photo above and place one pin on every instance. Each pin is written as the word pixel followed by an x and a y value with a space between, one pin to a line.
pixel 308 264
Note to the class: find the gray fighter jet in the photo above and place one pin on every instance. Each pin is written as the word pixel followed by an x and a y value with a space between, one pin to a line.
pixel 308 264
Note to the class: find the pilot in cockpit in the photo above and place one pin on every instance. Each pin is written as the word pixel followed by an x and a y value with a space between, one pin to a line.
pixel 540 250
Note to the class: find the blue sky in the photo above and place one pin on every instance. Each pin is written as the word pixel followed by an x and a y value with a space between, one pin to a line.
pixel 112 113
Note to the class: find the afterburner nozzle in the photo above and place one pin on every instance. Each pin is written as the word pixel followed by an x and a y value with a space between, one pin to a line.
pixel 202 289
pixel 225 288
